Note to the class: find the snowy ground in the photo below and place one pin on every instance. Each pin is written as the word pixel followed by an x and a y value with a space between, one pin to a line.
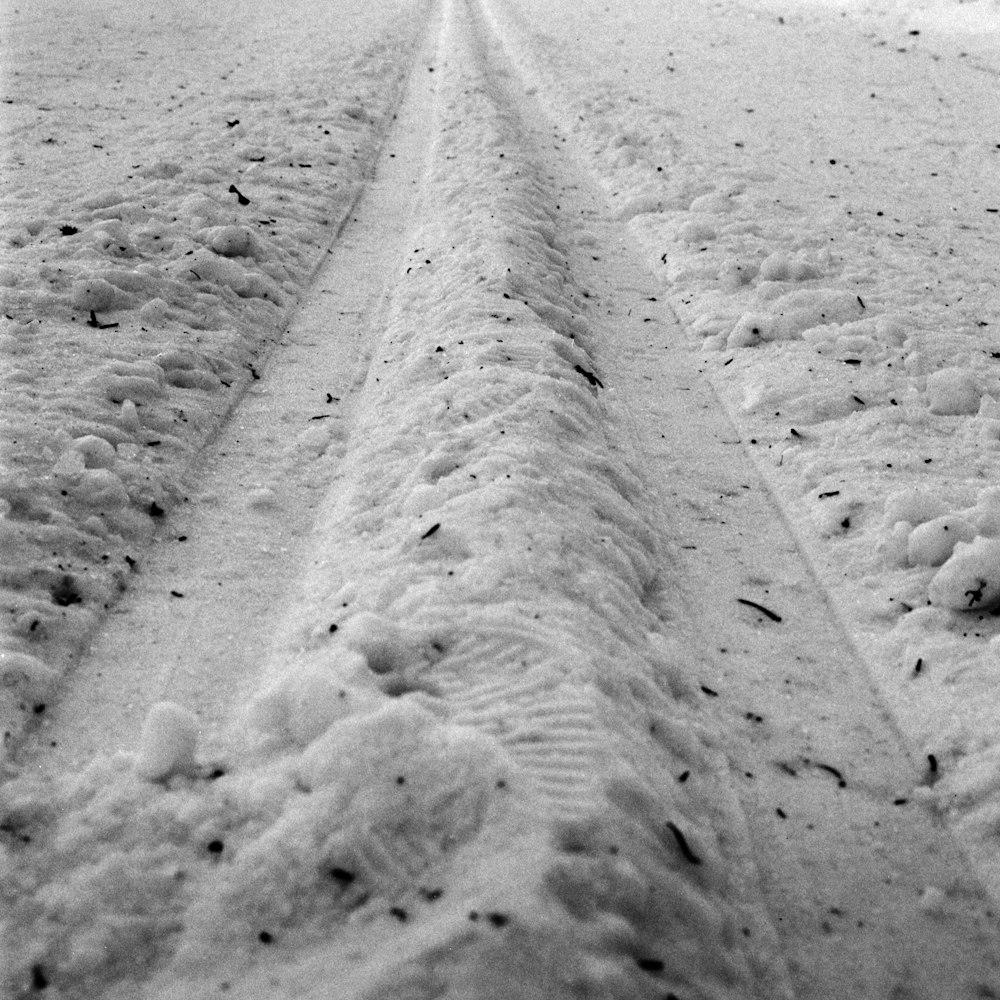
pixel 500 501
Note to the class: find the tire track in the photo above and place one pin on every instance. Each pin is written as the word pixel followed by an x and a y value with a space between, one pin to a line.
pixel 869 895
pixel 464 765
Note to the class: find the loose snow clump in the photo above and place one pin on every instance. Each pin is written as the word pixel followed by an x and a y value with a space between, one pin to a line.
pixel 779 266
pixel 303 705
pixel 168 742
pixel 970 579
pixel 914 506
pixel 952 392
pixel 932 543
pixel 986 514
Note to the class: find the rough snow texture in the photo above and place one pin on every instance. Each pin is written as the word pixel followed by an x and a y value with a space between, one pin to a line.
pixel 838 271
pixel 139 294
pixel 477 757
pixel 475 669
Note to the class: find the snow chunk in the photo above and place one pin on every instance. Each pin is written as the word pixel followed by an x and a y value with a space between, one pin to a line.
pixel 715 202
pixel 168 742
pixel 696 231
pixel 233 241
pixel 305 704
pixel 780 266
pixel 69 466
pixel 787 317
pixel 383 643
pixel 106 199
pixel 855 337
pixel 99 295
pixel 970 579
pixel 932 543
pixel 84 469
pixel 101 488
pixel 734 274
pixel 208 266
pixel 952 392
pixel 97 452
pixel 113 240
pixel 140 381
pixel 751 329
pixel 913 505
pixel 162 170
pixel 800 398
pixel 986 514
pixel 450 772
pixel 154 311
pixel 640 204
pixel 893 548
pixel 138 388
pixel 129 416
pixel 315 440
pixel 989 408
pixel 360 744
pixel 26 673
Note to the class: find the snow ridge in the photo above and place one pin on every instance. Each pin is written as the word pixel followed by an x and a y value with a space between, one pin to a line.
pixel 134 318
pixel 475 669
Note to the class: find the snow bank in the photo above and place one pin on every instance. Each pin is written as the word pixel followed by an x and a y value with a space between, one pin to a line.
pixel 189 194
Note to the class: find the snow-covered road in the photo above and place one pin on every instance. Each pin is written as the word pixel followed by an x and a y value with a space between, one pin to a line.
pixel 464 532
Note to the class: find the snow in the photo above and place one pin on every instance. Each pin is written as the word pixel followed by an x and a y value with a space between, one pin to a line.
pixel 143 292
pixel 168 743
pixel 862 242
pixel 932 543
pixel 970 579
pixel 478 747
pixel 952 392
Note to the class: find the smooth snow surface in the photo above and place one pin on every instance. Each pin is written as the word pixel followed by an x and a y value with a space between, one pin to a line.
pixel 500 501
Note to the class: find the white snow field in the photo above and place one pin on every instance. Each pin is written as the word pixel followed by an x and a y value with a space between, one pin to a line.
pixel 500 500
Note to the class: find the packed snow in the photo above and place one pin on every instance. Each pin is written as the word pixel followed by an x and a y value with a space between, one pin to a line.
pixel 477 750
pixel 831 248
